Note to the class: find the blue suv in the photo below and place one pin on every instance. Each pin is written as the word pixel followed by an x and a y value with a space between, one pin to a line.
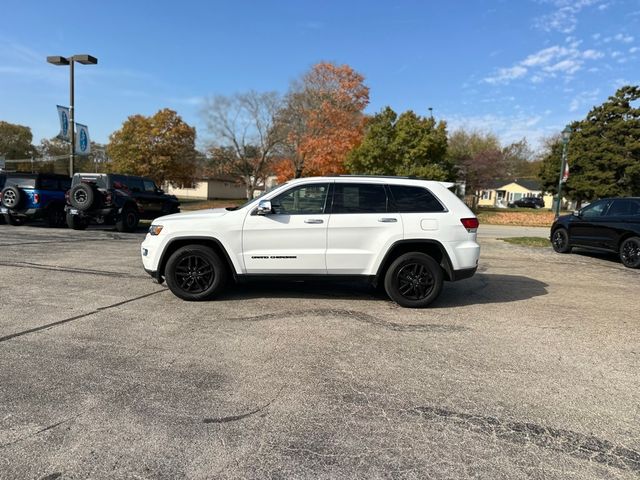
pixel 28 196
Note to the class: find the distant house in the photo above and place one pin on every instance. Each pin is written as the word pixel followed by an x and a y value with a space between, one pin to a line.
pixel 224 187
pixel 503 192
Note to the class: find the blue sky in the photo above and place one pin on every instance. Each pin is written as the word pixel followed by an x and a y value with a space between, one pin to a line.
pixel 517 68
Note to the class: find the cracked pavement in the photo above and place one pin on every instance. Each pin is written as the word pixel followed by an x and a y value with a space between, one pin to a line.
pixel 530 369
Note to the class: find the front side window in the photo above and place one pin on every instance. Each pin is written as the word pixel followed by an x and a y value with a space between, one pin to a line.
pixel 414 199
pixel 594 210
pixel 359 198
pixel 302 200
pixel 134 184
pixel 149 186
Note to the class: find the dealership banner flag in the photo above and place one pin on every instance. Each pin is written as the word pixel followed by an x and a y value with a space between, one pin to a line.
pixel 63 114
pixel 565 174
pixel 83 145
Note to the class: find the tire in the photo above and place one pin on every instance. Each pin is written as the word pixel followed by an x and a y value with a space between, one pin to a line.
pixel 560 240
pixel 630 252
pixel 82 196
pixel 413 280
pixel 76 223
pixel 195 273
pixel 128 220
pixel 11 197
pixel 55 216
pixel 15 221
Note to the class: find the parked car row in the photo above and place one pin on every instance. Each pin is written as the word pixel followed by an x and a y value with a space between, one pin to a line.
pixel 528 202
pixel 608 225
pixel 112 199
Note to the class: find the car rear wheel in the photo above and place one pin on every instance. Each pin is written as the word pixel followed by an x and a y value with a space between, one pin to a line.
pixel 195 272
pixel 15 221
pixel 76 223
pixel 630 252
pixel 413 280
pixel 128 220
pixel 560 241
pixel 55 216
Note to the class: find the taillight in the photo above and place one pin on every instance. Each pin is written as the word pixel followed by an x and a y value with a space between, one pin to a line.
pixel 471 224
pixel 66 196
pixel 108 198
pixel 36 198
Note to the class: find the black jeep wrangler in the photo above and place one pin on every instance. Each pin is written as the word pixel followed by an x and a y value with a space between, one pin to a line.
pixel 116 199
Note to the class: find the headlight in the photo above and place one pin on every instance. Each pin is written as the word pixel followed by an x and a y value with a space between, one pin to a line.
pixel 155 229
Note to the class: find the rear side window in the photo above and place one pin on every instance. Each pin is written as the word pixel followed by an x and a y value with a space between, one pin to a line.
pixel 624 207
pixel 359 198
pixel 414 199
pixel 135 184
pixel 21 182
pixel 48 184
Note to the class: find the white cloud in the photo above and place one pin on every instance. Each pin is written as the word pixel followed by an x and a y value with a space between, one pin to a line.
pixel 633 49
pixel 624 38
pixel 583 99
pixel 545 63
pixel 564 18
pixel 616 54
pixel 505 75
pixel 592 54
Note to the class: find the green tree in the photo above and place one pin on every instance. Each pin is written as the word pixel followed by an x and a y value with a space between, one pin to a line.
pixel 407 144
pixel 478 157
pixel 161 146
pixel 603 151
pixel 15 141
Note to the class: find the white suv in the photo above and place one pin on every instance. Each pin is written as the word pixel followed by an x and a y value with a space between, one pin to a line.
pixel 404 233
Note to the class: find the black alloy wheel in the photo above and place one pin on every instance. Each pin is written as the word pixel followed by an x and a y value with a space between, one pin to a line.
pixel 413 280
pixel 12 220
pixel 560 240
pixel 630 252
pixel 195 272
pixel 128 220
pixel 55 216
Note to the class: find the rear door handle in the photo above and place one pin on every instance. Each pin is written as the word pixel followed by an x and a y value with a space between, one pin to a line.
pixel 388 220
pixel 314 220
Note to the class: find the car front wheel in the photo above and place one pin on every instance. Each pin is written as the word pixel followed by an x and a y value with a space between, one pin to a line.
pixel 195 272
pixel 413 280
pixel 560 241
pixel 630 252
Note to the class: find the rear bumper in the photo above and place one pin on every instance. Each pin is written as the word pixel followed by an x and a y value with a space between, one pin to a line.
pixel 463 273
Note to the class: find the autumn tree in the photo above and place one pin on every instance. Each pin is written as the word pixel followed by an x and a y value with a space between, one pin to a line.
pixel 15 141
pixel 321 120
pixel 161 146
pixel 407 144
pixel 244 139
pixel 603 151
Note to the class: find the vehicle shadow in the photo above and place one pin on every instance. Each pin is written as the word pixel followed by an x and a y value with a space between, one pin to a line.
pixel 482 288
pixel 485 288
pixel 607 256
pixel 40 224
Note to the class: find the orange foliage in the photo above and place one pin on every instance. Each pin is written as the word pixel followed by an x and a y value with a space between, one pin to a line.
pixel 328 110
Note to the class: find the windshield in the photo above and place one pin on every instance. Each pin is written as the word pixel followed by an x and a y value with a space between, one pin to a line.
pixel 271 189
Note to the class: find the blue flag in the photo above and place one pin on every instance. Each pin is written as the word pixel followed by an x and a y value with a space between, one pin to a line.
pixel 63 114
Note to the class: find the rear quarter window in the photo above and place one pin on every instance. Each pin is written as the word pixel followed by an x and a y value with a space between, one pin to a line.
pixel 410 199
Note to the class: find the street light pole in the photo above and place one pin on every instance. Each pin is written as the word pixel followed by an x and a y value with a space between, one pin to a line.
pixel 85 60
pixel 566 134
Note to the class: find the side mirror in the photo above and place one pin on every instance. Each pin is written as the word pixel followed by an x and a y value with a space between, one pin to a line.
pixel 264 207
pixel 159 191
pixel 576 213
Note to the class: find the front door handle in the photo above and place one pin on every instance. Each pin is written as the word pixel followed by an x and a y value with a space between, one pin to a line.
pixel 388 220
pixel 314 220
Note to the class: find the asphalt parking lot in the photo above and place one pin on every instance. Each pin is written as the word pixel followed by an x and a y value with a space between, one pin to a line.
pixel 530 369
